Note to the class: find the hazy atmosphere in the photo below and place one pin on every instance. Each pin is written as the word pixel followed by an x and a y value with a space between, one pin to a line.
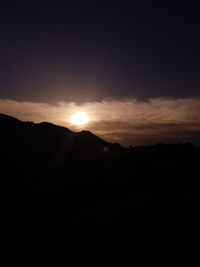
pixel 100 132
pixel 132 67
pixel 128 121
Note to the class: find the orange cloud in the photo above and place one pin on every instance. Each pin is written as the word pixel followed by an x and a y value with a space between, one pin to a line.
pixel 126 121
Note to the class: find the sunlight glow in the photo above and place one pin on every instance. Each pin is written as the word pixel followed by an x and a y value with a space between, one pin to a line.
pixel 79 118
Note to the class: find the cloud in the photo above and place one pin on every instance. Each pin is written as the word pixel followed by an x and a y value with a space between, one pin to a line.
pixel 128 121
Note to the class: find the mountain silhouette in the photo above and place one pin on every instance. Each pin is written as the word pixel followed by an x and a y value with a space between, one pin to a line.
pixel 54 151
pixel 77 192
pixel 48 143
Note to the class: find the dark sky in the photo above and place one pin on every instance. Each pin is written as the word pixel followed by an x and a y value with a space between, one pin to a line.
pixel 90 50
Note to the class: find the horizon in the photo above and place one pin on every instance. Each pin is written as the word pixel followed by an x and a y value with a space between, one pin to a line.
pixel 125 70
pixel 121 179
pixel 78 130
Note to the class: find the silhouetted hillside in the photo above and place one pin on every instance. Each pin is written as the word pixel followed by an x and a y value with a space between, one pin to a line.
pixel 82 193
pixel 48 148
pixel 47 143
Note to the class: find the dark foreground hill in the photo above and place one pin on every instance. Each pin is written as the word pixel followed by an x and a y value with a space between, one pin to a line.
pixel 45 143
pixel 93 201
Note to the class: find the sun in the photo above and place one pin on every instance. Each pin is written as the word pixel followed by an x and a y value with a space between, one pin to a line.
pixel 79 118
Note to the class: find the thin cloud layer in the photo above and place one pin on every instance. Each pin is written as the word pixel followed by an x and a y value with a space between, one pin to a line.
pixel 128 121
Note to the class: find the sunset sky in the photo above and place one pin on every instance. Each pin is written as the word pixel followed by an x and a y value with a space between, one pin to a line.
pixel 131 66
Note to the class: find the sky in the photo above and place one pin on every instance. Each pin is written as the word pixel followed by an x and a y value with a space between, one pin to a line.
pixel 133 66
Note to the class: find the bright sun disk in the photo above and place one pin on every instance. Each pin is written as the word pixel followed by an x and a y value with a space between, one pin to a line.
pixel 79 118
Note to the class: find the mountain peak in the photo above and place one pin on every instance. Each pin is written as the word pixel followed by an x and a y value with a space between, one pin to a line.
pixel 51 125
pixel 46 142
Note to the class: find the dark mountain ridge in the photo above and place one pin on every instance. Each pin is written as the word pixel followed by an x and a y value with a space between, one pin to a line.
pixel 49 150
pixel 78 193
pixel 48 143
